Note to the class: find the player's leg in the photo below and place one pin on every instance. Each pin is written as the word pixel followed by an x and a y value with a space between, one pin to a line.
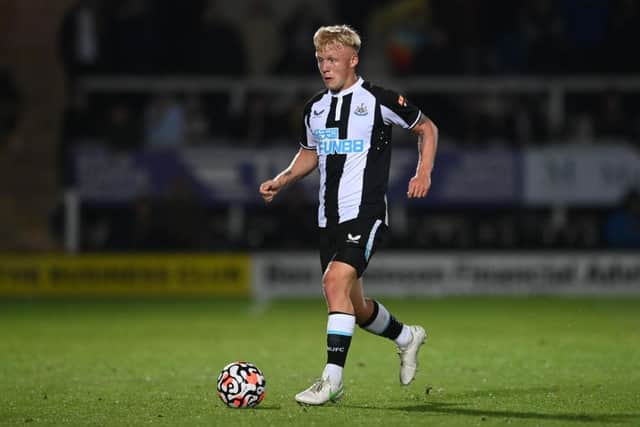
pixel 408 339
pixel 372 316
pixel 337 282
pixel 362 307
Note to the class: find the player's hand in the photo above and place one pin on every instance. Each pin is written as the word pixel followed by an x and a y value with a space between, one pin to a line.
pixel 419 186
pixel 268 190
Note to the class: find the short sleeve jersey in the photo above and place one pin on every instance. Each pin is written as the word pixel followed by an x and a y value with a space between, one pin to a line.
pixel 351 133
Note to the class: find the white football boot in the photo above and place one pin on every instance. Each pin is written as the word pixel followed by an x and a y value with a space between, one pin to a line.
pixel 320 393
pixel 409 354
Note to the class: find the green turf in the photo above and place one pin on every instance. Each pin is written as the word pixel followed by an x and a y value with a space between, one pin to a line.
pixel 489 361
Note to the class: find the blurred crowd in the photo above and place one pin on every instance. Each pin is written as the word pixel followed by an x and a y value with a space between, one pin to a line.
pixel 415 37
pixel 401 38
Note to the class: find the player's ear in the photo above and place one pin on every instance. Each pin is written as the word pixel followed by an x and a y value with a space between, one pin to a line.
pixel 354 60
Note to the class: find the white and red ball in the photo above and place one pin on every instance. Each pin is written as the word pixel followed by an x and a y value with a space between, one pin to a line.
pixel 241 385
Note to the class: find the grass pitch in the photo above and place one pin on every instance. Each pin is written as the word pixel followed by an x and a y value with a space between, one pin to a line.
pixel 488 361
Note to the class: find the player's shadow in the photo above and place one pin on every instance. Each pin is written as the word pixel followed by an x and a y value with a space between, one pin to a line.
pixel 458 408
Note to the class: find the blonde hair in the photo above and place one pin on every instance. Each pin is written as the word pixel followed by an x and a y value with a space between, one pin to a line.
pixel 340 34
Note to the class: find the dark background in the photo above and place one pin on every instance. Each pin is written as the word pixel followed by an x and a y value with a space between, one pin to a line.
pixel 136 75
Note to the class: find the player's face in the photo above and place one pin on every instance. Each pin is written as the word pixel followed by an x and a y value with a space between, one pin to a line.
pixel 337 65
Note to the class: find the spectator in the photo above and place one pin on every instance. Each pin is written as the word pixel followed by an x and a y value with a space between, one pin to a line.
pixel 261 38
pixel 406 29
pixel 164 122
pixel 82 39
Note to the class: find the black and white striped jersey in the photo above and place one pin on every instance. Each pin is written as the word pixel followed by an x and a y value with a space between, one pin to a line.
pixel 351 132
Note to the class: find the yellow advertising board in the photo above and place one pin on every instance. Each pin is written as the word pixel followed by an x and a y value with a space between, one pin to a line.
pixel 124 275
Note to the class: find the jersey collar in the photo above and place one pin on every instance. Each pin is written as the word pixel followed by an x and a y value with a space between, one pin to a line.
pixel 350 89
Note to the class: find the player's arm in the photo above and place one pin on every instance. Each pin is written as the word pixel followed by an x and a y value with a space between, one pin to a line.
pixel 303 163
pixel 427 133
pixel 396 110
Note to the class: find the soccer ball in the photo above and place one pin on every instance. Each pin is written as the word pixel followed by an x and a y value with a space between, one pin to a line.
pixel 241 385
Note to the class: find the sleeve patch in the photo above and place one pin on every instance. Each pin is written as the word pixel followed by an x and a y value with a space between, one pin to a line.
pixel 401 101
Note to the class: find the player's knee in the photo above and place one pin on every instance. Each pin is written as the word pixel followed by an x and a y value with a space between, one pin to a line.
pixel 335 285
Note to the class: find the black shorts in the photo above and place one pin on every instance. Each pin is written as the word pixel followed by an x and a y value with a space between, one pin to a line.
pixel 352 242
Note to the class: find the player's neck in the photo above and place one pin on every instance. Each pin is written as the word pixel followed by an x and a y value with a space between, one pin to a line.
pixel 348 84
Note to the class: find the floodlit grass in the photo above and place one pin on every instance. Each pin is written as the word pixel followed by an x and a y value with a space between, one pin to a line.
pixel 488 361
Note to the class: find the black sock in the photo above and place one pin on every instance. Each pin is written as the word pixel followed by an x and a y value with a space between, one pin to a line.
pixel 382 322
